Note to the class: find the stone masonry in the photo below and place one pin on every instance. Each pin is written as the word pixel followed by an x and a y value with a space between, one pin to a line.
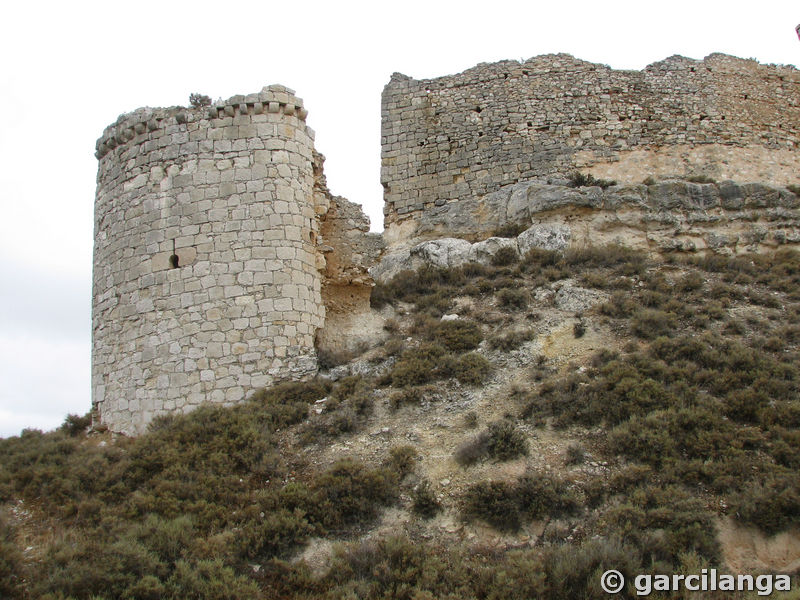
pixel 207 268
pixel 467 135
pixel 222 262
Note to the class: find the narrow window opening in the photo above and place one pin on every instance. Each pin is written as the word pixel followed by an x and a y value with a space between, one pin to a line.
pixel 173 260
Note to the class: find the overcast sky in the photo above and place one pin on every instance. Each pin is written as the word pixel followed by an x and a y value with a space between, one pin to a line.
pixel 68 69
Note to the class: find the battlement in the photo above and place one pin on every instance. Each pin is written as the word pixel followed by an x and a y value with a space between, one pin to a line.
pixel 467 135
pixel 138 126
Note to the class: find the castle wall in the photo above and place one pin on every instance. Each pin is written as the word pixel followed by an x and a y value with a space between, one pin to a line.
pixel 470 134
pixel 229 190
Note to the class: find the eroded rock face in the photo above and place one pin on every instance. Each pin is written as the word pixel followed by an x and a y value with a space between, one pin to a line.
pixel 446 253
pixel 348 250
pixel 576 299
pixel 483 252
pixel 545 237
pixel 665 216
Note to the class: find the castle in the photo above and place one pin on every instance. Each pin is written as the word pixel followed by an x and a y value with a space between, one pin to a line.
pixel 222 263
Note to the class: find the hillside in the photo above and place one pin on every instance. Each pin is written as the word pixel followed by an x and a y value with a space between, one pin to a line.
pixel 524 425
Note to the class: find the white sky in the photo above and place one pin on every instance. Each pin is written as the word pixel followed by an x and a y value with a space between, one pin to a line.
pixel 68 69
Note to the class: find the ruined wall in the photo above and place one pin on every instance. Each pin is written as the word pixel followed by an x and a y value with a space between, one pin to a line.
pixel 349 250
pixel 228 189
pixel 467 135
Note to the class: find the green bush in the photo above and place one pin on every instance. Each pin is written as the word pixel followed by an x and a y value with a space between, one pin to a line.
pixel 620 305
pixel 664 523
pixel 424 501
pixel 513 299
pixel 505 256
pixel 501 441
pixel 650 324
pixel 211 580
pixel 418 365
pixel 576 454
pixel 495 502
pixel 620 259
pixel 457 336
pixel 402 460
pixel 690 282
pixel 510 341
pixel 301 391
pixel 11 574
pixel 506 442
pixel 277 533
pixel 772 504
pixel 574 571
pixel 578 179
pixel 349 493
pixel 75 425
pixel 579 329
pixel 505 505
pixel 471 369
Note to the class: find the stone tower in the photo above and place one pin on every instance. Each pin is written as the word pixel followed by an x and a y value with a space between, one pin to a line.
pixel 207 277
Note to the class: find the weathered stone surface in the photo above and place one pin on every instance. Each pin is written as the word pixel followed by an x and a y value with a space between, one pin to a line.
pixel 668 215
pixel 544 237
pixel 682 195
pixel 444 253
pixel 483 252
pixel 391 264
pixel 576 299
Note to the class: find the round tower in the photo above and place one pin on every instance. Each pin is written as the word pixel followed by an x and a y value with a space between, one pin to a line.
pixel 206 281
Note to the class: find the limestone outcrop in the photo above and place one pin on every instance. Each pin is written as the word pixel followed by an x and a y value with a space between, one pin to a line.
pixel 665 216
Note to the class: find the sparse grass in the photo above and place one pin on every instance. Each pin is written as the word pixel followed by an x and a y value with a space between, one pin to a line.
pixel 424 501
pixel 506 506
pixel 511 340
pixel 578 179
pixel 500 441
pixel 576 454
pixel 512 299
pixel 505 256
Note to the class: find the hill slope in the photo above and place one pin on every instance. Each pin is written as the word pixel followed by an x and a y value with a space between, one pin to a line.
pixel 524 426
